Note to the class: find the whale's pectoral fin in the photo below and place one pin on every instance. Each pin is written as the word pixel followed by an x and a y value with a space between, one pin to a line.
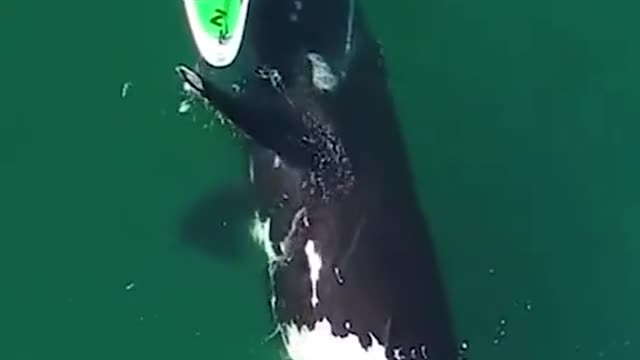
pixel 252 114
pixel 203 88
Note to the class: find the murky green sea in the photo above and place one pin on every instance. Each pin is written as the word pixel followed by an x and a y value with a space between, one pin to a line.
pixel 523 124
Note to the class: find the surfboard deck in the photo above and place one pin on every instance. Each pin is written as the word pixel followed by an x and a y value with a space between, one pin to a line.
pixel 217 27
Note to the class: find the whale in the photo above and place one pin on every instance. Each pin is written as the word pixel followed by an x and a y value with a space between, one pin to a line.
pixel 352 268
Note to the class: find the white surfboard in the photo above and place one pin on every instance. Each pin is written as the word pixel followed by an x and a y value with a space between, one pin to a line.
pixel 217 27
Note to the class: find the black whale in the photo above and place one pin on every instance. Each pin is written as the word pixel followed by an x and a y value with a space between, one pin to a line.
pixel 332 179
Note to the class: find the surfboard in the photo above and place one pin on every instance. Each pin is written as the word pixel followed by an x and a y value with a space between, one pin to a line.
pixel 217 27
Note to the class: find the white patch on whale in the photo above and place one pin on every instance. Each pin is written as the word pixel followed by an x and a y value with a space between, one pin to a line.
pixel 347 43
pixel 277 161
pixel 423 351
pixel 321 73
pixel 271 74
pixel 251 171
pixel 320 344
pixel 338 274
pixel 315 264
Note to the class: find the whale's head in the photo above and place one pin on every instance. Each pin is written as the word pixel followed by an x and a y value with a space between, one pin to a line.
pixel 288 89
pixel 272 105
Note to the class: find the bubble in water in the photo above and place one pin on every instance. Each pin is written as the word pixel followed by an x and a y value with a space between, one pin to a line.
pixel 501 332
pixel 462 349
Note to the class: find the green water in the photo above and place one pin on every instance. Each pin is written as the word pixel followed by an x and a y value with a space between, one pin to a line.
pixel 522 120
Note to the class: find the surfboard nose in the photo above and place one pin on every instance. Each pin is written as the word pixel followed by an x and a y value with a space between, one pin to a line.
pixel 218 28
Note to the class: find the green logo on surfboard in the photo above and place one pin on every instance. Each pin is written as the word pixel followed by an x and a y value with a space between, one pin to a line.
pixel 218 17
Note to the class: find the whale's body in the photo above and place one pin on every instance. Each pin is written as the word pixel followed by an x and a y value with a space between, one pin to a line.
pixel 353 272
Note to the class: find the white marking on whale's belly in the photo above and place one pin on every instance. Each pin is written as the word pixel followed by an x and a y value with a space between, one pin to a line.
pixel 321 344
pixel 315 264
pixel 321 73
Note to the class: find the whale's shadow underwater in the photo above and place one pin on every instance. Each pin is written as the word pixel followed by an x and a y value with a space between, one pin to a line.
pixel 353 271
pixel 215 219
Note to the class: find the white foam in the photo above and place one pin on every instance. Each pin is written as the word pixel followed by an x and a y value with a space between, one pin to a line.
pixel 315 264
pixel 321 344
pixel 260 233
pixel 184 106
pixel 125 89
pixel 321 73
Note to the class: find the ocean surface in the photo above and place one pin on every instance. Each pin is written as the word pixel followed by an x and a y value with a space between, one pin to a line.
pixel 523 124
